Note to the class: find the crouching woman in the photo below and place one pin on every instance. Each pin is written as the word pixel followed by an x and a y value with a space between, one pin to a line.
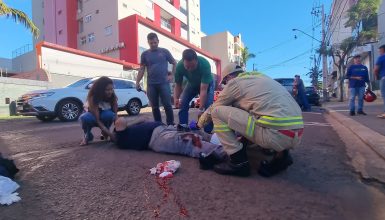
pixel 101 110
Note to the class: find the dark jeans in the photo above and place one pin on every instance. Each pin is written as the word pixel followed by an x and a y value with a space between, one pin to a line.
pixel 88 121
pixel 302 99
pixel 187 95
pixel 154 91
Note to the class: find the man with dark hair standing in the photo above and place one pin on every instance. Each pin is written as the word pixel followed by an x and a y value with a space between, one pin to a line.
pixel 357 75
pixel 300 93
pixel 156 61
pixel 197 71
pixel 379 70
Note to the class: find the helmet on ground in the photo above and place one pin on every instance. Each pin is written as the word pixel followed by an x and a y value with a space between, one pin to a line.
pixel 369 96
pixel 229 69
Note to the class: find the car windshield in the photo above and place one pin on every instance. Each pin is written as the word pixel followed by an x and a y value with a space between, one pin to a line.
pixel 79 83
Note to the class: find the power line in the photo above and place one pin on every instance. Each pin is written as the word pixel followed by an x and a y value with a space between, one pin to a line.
pixel 285 61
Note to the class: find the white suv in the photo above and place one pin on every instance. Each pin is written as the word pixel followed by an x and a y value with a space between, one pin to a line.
pixel 67 103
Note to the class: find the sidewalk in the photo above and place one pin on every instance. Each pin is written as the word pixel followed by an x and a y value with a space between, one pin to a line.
pixel 369 128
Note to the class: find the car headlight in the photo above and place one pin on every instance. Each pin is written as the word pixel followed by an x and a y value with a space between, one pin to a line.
pixel 41 95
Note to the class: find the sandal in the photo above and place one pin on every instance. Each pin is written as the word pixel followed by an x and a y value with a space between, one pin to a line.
pixel 381 116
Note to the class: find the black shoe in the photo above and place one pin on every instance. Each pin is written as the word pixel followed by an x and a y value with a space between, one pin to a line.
pixel 207 162
pixel 352 113
pixel 238 165
pixel 268 169
pixel 361 113
pixel 229 168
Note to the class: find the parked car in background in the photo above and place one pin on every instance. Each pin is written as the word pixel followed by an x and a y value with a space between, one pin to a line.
pixel 288 83
pixel 67 103
pixel 312 95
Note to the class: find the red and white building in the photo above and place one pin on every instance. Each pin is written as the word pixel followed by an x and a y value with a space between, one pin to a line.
pixel 119 28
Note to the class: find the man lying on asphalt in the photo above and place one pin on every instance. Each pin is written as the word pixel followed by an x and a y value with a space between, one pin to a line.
pixel 138 134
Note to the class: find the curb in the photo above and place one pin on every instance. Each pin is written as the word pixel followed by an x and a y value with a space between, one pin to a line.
pixel 371 138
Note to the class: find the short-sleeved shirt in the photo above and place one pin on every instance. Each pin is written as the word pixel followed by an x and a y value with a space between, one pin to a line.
pixel 136 137
pixel 381 63
pixel 202 74
pixel 156 62
pixel 357 70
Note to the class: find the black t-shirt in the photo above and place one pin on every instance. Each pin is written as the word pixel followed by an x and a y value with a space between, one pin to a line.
pixel 136 137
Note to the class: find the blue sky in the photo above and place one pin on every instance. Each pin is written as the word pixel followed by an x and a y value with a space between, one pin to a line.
pixel 16 35
pixel 265 26
pixel 266 29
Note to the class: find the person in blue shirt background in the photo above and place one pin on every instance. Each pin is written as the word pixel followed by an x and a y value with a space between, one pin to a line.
pixel 358 76
pixel 379 70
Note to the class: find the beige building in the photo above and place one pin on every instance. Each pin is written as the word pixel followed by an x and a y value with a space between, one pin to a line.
pixel 225 46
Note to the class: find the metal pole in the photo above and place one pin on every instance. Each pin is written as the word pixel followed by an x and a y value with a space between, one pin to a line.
pixel 324 60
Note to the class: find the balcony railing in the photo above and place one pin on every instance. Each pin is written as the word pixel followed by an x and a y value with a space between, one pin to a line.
pixel 22 50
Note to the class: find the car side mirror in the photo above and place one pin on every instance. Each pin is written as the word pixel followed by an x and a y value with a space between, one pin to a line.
pixel 89 85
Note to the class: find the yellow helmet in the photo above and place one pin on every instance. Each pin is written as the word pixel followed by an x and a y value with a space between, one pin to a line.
pixel 229 69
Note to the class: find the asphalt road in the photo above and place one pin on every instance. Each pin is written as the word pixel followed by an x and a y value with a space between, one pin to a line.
pixel 61 180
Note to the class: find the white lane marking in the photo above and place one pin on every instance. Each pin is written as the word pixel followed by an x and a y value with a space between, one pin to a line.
pixel 317 124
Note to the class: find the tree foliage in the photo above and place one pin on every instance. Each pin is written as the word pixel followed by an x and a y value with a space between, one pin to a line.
pixel 362 19
pixel 245 56
pixel 18 16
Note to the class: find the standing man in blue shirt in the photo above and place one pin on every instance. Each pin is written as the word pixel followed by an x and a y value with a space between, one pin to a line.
pixel 379 70
pixel 358 76
pixel 156 60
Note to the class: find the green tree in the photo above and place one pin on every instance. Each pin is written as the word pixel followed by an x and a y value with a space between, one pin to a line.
pixel 315 74
pixel 362 19
pixel 245 56
pixel 19 16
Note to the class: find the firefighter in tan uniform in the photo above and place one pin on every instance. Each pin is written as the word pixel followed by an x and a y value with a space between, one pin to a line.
pixel 262 111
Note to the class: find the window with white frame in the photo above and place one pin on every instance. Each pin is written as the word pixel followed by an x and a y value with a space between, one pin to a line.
pixel 88 18
pixel 165 23
pixel 83 40
pixel 150 9
pixel 125 5
pixel 80 25
pixel 91 37
pixel 108 30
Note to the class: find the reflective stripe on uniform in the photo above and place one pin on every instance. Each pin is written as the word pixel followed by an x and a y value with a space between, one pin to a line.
pixel 278 123
pixel 221 128
pixel 248 74
pixel 250 126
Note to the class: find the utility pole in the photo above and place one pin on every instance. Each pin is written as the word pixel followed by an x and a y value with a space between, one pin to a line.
pixel 324 59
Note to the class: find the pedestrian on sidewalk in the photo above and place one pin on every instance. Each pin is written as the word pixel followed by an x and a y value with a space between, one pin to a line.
pixel 258 108
pixel 299 93
pixel 156 60
pixel 357 75
pixel 197 71
pixel 379 70
pixel 101 109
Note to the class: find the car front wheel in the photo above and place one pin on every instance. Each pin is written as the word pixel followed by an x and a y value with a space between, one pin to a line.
pixel 46 118
pixel 69 110
pixel 133 107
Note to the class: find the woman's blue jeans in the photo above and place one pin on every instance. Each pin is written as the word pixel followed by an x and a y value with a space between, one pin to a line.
pixel 88 121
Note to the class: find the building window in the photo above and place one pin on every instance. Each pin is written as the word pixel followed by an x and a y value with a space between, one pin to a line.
pixel 80 6
pixel 60 32
pixel 91 37
pixel 80 25
pixel 108 30
pixel 150 9
pixel 192 17
pixel 88 18
pixel 124 5
pixel 59 12
pixel 192 30
pixel 83 40
pixel 42 4
pixel 165 23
